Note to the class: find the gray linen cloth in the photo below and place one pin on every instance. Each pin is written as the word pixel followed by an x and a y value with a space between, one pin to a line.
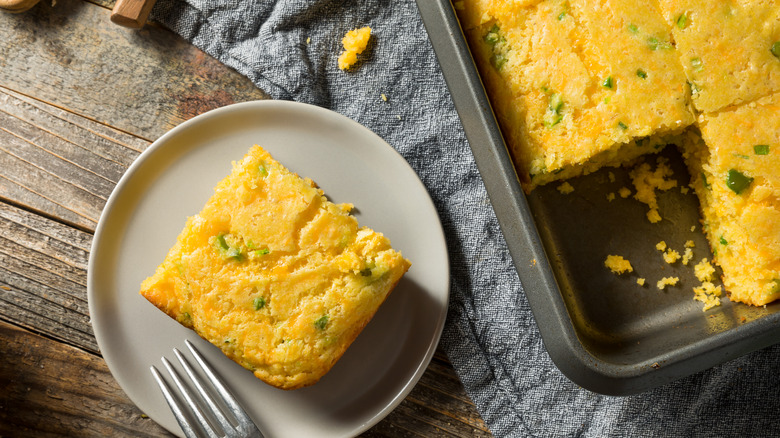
pixel 289 49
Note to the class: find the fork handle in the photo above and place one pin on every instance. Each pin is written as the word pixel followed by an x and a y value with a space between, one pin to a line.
pixel 131 13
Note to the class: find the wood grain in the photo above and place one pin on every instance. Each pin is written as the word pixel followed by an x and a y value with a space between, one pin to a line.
pixel 48 389
pixel 43 272
pixel 144 82
pixel 58 164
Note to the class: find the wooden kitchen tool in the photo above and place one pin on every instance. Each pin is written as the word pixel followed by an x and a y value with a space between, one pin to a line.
pixel 130 13
pixel 16 6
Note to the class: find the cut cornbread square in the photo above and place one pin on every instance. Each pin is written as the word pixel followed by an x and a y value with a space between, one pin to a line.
pixel 736 177
pixel 576 87
pixel 726 48
pixel 275 275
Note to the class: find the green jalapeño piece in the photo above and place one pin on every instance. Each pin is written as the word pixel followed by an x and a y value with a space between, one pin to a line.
pixel 682 21
pixel 775 49
pixel 321 322
pixel 761 149
pixel 738 181
pixel 554 108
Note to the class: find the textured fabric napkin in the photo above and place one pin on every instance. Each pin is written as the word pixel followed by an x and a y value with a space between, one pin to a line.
pixel 289 49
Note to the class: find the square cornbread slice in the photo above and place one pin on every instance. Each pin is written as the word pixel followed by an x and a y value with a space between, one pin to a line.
pixel 274 274
pixel 730 50
pixel 577 85
pixel 736 178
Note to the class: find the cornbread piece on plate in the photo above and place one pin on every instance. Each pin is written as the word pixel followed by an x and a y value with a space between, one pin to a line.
pixel 729 49
pixel 274 274
pixel 577 85
pixel 736 177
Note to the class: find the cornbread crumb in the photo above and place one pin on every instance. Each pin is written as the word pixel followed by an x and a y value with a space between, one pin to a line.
pixel 640 281
pixel 653 216
pixel 704 270
pixel 618 264
pixel 689 244
pixel 667 281
pixel 647 181
pixel 687 256
pixel 308 40
pixel 693 228
pixel 661 246
pixel 355 42
pixel 611 196
pixel 684 190
pixel 565 188
pixel 611 177
pixel 671 256
pixel 383 96
pixel 709 294
pixel 624 192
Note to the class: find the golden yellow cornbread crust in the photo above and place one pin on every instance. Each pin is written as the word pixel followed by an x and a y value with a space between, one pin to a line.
pixel 274 274
pixel 577 85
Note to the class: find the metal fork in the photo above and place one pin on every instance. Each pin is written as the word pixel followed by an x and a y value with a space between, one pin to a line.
pixel 240 426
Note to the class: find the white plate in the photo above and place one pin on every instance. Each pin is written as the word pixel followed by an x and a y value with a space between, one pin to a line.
pixel 172 180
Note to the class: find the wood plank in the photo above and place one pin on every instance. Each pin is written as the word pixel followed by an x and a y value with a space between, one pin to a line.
pixel 142 82
pixel 49 389
pixel 79 130
pixel 58 164
pixel 43 271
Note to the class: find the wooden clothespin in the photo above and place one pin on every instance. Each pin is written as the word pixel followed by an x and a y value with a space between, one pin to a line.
pixel 130 13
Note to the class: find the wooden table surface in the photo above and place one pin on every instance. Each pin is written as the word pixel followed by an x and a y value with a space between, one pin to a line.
pixel 80 99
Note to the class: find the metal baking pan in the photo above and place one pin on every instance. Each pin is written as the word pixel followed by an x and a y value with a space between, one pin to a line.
pixel 604 332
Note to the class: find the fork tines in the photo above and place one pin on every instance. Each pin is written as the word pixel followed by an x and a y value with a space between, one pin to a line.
pixel 240 425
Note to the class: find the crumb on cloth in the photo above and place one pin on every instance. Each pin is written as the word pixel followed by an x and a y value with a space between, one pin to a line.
pixel 355 42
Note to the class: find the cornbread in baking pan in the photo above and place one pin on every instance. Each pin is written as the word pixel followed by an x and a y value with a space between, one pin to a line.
pixel 735 173
pixel 726 49
pixel 274 274
pixel 577 85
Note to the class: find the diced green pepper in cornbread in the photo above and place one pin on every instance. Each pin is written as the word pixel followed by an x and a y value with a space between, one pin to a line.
pixel 737 178
pixel 726 47
pixel 274 274
pixel 577 85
